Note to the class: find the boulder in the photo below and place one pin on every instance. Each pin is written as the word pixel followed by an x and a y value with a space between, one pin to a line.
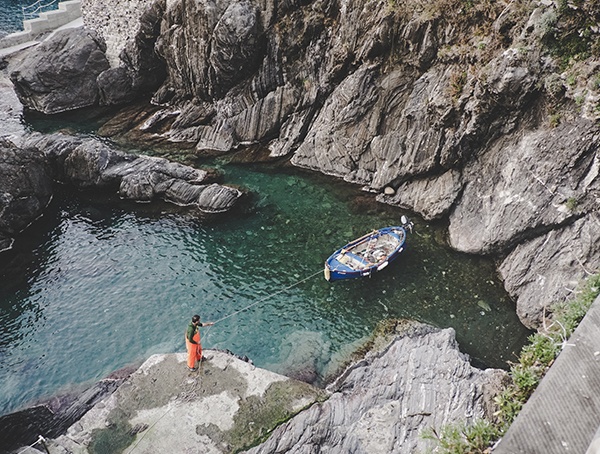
pixel 25 189
pixel 60 73
pixel 90 163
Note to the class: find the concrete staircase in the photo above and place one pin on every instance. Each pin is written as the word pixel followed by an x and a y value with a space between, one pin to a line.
pixel 67 12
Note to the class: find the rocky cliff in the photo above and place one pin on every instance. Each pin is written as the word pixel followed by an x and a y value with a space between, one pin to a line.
pixel 480 113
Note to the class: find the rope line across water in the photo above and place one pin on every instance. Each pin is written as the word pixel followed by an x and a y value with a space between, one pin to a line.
pixel 267 297
pixel 186 396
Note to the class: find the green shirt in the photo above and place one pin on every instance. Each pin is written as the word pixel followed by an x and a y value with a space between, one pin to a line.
pixel 191 331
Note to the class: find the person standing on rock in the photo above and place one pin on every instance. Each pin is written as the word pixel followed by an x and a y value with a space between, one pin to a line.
pixel 192 342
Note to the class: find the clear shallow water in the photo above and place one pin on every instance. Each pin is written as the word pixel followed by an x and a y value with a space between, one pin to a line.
pixel 95 286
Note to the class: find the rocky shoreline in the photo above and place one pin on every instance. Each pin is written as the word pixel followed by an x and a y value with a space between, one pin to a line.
pixel 483 159
pixel 413 379
pixel 465 117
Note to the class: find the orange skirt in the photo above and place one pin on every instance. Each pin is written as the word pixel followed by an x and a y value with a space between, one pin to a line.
pixel 194 350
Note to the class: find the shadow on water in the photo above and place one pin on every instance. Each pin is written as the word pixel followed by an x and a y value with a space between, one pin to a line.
pixel 97 284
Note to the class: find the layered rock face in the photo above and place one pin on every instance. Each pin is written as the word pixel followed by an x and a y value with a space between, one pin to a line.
pixel 440 108
pixel 90 163
pixel 387 401
pixel 381 404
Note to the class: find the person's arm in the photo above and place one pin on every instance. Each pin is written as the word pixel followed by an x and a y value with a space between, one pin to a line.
pixel 207 324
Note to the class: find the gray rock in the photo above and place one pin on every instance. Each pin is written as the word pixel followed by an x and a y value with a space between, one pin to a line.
pixel 115 86
pixel 25 189
pixel 92 163
pixel 526 185
pixel 234 46
pixel 138 70
pixel 53 417
pixel 223 407
pixel 384 402
pixel 11 112
pixel 548 269
pixel 432 197
pixel 60 73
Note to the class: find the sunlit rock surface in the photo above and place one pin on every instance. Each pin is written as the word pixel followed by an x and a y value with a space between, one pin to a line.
pixel 382 403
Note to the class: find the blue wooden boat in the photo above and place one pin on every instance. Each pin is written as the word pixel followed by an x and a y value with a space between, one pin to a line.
pixel 367 254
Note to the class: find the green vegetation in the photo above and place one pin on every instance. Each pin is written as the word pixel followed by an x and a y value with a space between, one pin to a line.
pixel 571 203
pixel 571 36
pixel 535 359
pixel 458 79
pixel 462 438
pixel 554 120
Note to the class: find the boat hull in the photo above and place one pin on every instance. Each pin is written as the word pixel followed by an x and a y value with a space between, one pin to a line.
pixel 366 255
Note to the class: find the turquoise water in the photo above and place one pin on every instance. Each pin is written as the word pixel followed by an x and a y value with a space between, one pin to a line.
pixel 97 284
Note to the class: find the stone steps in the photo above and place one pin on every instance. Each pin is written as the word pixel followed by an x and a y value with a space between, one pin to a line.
pixel 67 12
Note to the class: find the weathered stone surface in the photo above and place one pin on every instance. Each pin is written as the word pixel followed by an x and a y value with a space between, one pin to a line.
pixel 138 70
pixel 25 189
pixel 119 23
pixel 384 402
pixel 60 73
pixel 234 46
pixel 432 197
pixel 11 112
pixel 223 407
pixel 52 418
pixel 380 404
pixel 91 163
pixel 547 269
pixel 526 185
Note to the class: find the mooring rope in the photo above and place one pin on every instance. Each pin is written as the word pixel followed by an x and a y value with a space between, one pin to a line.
pixel 186 395
pixel 40 440
pixel 267 297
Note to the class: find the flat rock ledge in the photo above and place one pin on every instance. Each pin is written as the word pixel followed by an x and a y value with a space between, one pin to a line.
pixel 380 404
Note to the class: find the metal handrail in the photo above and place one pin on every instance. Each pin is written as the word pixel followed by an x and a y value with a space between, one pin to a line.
pixel 36 8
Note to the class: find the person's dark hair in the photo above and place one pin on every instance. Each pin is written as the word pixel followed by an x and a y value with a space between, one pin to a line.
pixel 195 318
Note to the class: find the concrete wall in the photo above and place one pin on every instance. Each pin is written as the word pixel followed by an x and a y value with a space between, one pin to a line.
pixel 51 20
